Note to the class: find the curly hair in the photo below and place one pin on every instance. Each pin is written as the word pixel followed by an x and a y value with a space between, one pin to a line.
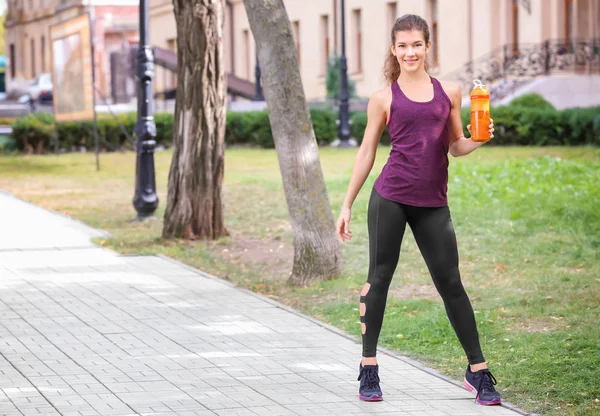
pixel 391 69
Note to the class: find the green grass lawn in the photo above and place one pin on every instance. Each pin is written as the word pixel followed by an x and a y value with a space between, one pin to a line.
pixel 528 227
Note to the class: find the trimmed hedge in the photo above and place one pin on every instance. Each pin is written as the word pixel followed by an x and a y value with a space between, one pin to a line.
pixel 7 121
pixel 359 125
pixel 35 132
pixel 532 100
pixel 7 145
pixel 250 128
pixel 515 124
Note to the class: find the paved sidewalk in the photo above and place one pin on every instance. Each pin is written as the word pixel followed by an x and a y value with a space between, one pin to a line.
pixel 85 331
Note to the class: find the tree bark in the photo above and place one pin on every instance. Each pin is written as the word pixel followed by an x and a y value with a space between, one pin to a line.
pixel 194 204
pixel 316 247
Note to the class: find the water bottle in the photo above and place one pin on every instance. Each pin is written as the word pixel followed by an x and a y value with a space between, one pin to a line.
pixel 480 112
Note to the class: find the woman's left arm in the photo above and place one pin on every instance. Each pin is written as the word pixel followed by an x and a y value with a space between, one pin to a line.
pixel 459 144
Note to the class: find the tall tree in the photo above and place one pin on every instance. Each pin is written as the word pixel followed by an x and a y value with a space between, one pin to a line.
pixel 194 204
pixel 316 247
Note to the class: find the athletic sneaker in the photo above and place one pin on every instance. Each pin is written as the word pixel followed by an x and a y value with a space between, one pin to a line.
pixel 482 382
pixel 369 390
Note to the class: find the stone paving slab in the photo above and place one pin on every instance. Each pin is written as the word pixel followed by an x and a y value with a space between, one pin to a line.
pixel 85 331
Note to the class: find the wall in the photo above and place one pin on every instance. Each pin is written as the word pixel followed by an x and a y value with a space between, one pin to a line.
pixel 454 34
pixel 460 38
pixel 113 25
pixel 482 15
pixel 564 91
pixel 163 34
pixel 530 24
pixel 24 25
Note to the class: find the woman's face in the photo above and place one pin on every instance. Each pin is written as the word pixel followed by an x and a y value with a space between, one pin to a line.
pixel 410 50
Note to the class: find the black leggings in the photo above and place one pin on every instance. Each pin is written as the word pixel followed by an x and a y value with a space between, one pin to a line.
pixel 434 234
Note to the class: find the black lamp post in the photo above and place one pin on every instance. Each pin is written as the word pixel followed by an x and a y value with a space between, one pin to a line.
pixel 145 199
pixel 259 93
pixel 344 116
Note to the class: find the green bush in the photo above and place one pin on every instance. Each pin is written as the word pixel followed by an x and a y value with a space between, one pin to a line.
pixel 582 125
pixel 332 79
pixel 596 127
pixel 164 128
pixel 7 144
pixel 7 121
pixel 33 132
pixel 254 128
pixel 261 133
pixel 73 134
pixel 514 125
pixel 249 128
pixel 324 125
pixel 359 125
pixel 532 100
pixel 235 131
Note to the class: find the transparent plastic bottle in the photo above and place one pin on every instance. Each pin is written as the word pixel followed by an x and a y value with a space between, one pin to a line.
pixel 480 112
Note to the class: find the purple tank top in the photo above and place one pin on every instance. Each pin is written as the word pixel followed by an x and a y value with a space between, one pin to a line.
pixel 416 172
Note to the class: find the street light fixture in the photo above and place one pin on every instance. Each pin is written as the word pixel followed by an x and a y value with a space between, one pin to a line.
pixel 258 96
pixel 145 199
pixel 344 116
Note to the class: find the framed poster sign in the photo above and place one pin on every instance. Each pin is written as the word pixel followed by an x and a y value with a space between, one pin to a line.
pixel 72 75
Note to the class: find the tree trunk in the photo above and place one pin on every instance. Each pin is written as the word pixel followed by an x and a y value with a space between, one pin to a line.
pixel 316 247
pixel 194 204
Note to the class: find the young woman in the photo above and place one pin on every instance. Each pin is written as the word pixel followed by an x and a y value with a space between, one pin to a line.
pixel 422 115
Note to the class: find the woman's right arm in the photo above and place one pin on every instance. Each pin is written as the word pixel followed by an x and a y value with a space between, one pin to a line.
pixel 365 157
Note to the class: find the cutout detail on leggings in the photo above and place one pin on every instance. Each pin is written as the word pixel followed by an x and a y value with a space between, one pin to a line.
pixel 363 307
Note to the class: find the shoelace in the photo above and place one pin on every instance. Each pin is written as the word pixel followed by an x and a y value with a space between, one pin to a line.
pixel 487 382
pixel 371 377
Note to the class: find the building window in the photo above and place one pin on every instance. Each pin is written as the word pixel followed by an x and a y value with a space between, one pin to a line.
pixel 172 46
pixel 356 19
pixel 392 13
pixel 569 21
pixel 433 4
pixel 32 58
pixel 43 52
pixel 13 62
pixel 324 43
pixel 515 27
pixel 296 30
pixel 246 40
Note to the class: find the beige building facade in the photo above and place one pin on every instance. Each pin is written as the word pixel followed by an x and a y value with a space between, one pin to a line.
pixel 461 31
pixel 28 23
